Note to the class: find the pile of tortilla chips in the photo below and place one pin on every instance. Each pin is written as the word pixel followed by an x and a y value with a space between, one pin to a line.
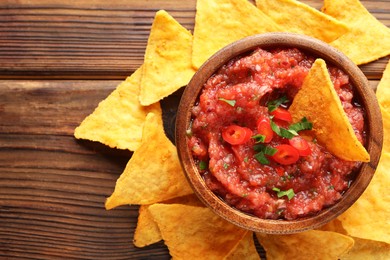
pixel 131 118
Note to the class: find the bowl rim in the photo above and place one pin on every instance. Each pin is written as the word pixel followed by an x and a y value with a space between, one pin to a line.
pixel 318 49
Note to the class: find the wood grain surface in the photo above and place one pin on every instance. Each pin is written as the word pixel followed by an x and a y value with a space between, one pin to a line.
pixel 58 59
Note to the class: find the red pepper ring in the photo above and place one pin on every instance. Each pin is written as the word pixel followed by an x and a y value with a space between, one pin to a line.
pixel 286 154
pixel 282 114
pixel 301 145
pixel 235 134
pixel 264 128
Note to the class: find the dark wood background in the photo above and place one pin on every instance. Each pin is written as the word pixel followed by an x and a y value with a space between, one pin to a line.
pixel 58 59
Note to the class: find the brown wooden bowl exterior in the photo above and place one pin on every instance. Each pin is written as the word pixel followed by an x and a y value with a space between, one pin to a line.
pixel 317 49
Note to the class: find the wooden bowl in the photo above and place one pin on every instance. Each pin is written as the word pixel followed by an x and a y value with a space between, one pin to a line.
pixel 317 49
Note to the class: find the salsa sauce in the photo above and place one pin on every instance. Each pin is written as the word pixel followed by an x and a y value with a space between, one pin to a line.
pixel 238 94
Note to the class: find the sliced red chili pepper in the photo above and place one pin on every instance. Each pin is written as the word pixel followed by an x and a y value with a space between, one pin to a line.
pixel 301 145
pixel 286 154
pixel 235 134
pixel 282 114
pixel 264 128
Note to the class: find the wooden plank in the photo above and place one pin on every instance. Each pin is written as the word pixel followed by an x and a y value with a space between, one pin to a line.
pixel 98 39
pixel 52 186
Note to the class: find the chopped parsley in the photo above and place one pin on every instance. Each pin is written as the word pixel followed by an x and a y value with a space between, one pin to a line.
pixel 289 193
pixel 274 104
pixel 230 102
pixel 225 165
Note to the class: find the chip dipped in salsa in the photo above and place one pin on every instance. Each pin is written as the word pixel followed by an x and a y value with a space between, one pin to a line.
pixel 251 153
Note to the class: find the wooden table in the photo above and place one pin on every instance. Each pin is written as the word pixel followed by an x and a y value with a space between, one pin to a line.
pixel 57 61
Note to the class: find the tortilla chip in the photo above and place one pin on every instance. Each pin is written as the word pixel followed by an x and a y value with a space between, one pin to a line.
pixel 245 249
pixel 118 120
pixel 221 22
pixel 367 40
pixel 147 232
pixel 153 173
pixel 318 101
pixel 313 244
pixel 364 249
pixel 369 216
pixel 195 232
pixel 167 65
pixel 297 17
pixel 383 89
pixel 386 129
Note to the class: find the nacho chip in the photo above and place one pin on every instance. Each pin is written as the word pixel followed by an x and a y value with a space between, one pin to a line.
pixel 221 22
pixel 318 101
pixel 195 232
pixel 383 89
pixel 245 249
pixel 118 120
pixel 367 40
pixel 297 17
pixel 167 65
pixel 386 129
pixel 147 232
pixel 369 216
pixel 313 244
pixel 153 173
pixel 364 249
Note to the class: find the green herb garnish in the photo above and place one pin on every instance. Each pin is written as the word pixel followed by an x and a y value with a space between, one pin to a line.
pixel 259 138
pixel 283 132
pixel 289 193
pixel 260 157
pixel 274 104
pixel 202 165
pixel 225 165
pixel 230 102
pixel 304 124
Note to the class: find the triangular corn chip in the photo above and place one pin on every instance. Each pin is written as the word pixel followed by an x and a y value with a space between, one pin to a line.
pixel 313 244
pixel 383 89
pixel 167 65
pixel 368 39
pixel 308 22
pixel 386 129
pixel 147 232
pixel 195 232
pixel 153 173
pixel 318 101
pixel 369 216
pixel 221 22
pixel 118 120
pixel 245 249
pixel 365 249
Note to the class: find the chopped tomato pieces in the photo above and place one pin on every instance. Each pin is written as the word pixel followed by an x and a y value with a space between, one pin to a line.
pixel 264 128
pixel 301 145
pixel 282 114
pixel 286 154
pixel 235 134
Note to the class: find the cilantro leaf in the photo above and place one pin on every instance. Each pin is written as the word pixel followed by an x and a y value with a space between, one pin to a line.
pixel 304 124
pixel 274 104
pixel 289 193
pixel 230 102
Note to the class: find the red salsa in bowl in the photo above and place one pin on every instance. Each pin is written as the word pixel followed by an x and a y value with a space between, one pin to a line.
pixel 243 157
